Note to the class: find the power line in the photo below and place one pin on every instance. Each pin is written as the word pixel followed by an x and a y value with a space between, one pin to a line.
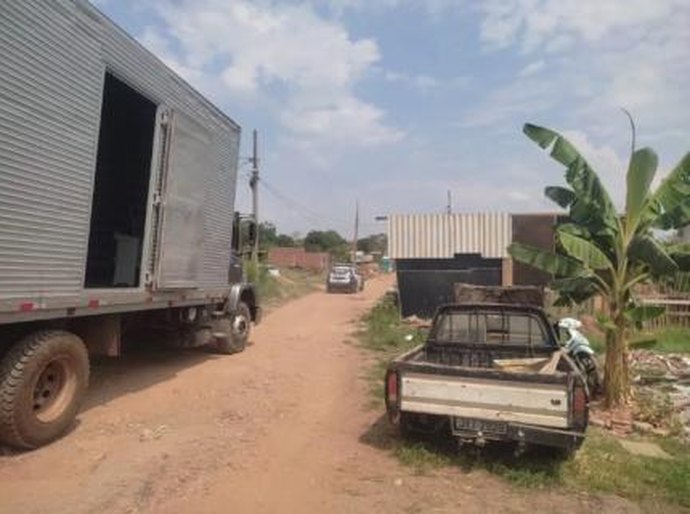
pixel 306 212
pixel 295 207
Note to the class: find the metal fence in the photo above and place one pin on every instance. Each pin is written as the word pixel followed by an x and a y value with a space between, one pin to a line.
pixel 677 312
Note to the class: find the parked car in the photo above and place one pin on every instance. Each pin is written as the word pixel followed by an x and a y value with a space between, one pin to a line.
pixel 344 277
pixel 490 372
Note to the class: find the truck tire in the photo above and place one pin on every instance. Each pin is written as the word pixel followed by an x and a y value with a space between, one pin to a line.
pixel 43 379
pixel 232 333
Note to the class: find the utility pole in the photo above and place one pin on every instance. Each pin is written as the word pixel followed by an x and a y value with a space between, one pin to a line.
pixel 449 207
pixel 354 242
pixel 254 184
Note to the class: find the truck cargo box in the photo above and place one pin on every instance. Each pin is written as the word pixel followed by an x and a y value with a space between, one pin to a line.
pixel 117 179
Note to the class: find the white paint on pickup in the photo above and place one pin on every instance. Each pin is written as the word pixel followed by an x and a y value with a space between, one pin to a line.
pixel 521 402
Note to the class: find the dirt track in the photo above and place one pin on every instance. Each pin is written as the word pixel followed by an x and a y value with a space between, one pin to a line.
pixel 281 427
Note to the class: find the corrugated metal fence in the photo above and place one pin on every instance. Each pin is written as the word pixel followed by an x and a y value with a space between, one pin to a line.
pixel 442 236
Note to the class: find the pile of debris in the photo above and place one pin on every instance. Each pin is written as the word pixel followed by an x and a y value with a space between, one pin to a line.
pixel 417 322
pixel 662 392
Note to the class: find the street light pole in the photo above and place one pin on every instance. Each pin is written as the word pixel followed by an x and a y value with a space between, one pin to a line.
pixel 254 184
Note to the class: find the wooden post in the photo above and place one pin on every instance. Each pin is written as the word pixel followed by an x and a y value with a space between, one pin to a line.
pixel 507 272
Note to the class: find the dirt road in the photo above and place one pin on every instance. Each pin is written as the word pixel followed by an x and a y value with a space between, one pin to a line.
pixel 281 427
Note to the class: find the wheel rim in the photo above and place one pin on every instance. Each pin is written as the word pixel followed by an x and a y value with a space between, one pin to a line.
pixel 240 325
pixel 54 390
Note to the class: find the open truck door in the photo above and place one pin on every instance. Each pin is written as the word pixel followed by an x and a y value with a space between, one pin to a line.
pixel 185 170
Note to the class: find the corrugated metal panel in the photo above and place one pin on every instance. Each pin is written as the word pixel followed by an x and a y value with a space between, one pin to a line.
pixel 441 236
pixel 143 71
pixel 54 56
pixel 187 181
pixel 50 94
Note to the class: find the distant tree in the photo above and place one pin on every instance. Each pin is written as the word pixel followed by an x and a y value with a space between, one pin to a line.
pixel 285 240
pixel 268 234
pixel 326 241
pixel 373 243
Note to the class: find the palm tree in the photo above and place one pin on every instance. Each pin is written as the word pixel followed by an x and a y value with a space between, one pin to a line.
pixel 603 252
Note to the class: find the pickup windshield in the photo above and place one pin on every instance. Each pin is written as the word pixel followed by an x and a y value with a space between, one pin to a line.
pixel 490 327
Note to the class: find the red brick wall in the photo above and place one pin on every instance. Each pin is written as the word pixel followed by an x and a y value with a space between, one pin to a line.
pixel 298 258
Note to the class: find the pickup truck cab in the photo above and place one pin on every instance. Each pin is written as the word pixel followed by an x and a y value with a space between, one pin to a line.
pixel 490 372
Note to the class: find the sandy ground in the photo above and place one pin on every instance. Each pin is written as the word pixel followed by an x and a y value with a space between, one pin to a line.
pixel 282 427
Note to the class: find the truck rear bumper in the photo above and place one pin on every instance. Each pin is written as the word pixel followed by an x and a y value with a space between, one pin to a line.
pixel 522 433
pixel 341 286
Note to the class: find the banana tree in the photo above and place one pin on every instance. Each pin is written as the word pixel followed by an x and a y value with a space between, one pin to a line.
pixel 604 252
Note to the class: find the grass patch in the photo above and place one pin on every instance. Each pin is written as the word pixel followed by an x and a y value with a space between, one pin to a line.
pixel 290 284
pixel 421 457
pixel 384 333
pixel 601 465
pixel 666 340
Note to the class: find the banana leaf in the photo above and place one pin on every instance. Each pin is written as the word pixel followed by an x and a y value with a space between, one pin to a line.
pixel 584 182
pixel 673 190
pixel 649 251
pixel 555 264
pixel 563 196
pixel 641 171
pixel 584 251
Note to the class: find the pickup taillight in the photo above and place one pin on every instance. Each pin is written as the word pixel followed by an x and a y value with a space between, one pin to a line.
pixel 392 387
pixel 580 406
pixel 392 395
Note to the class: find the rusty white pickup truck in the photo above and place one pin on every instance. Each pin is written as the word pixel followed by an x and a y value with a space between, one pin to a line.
pixel 490 372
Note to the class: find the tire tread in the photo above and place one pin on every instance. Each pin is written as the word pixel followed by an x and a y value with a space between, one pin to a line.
pixel 12 368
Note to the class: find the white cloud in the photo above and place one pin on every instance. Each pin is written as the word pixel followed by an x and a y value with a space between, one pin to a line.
pixel 348 119
pixel 520 100
pixel 532 68
pixel 244 47
pixel 602 55
pixel 538 21
pixel 431 7
pixel 423 82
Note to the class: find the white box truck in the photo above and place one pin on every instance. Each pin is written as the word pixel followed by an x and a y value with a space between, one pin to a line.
pixel 117 185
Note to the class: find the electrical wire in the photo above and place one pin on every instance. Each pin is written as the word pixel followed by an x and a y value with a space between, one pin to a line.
pixel 306 212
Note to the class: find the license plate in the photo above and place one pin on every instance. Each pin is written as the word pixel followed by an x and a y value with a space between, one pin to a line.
pixel 479 425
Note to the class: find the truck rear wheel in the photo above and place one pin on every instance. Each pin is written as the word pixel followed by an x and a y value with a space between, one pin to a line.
pixel 43 380
pixel 232 333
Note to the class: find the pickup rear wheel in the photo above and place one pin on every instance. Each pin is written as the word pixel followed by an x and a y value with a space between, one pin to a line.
pixel 43 380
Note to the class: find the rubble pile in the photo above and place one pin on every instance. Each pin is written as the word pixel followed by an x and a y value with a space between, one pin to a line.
pixel 662 392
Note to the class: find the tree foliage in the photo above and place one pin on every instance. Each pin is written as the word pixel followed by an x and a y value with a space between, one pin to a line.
pixel 373 243
pixel 326 241
pixel 606 252
pixel 269 236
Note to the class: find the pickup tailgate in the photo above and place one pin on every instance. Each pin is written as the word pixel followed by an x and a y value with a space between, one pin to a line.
pixel 496 399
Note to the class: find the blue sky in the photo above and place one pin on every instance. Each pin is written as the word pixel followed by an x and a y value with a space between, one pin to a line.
pixel 394 102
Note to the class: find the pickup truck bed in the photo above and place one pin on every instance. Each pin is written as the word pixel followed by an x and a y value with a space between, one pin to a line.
pixel 457 384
